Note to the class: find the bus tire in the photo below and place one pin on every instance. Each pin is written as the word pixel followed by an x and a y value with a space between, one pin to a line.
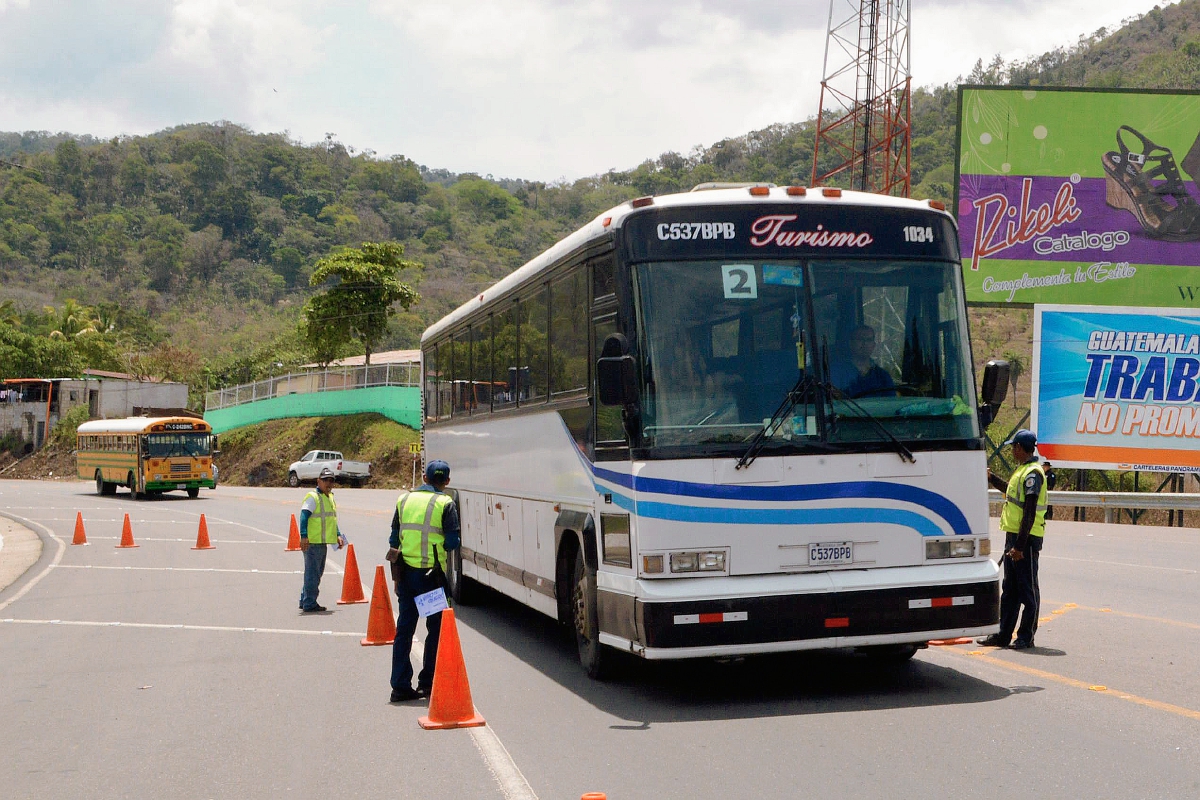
pixel 460 588
pixel 293 480
pixel 193 492
pixel 597 660
pixel 131 482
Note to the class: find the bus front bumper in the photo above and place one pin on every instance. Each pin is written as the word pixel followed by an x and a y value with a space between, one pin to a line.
pixel 912 612
pixel 168 486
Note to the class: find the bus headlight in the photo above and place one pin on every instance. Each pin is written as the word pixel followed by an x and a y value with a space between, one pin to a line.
pixel 703 561
pixel 985 546
pixel 652 565
pixel 950 548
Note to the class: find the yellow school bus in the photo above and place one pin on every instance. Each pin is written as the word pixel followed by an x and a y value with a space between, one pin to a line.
pixel 147 455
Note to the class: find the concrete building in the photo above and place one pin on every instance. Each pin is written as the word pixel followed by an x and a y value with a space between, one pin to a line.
pixel 30 407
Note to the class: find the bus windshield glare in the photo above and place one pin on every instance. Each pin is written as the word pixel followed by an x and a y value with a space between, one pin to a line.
pixel 880 345
pixel 168 445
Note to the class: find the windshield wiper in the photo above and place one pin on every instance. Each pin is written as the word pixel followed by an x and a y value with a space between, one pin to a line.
pixel 800 391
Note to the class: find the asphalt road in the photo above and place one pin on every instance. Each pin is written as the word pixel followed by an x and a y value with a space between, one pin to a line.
pixel 212 685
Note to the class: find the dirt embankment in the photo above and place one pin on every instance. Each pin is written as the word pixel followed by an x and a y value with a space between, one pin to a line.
pixel 259 455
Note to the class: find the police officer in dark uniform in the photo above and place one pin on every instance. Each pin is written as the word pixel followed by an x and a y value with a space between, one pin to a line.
pixel 1023 521
pixel 424 527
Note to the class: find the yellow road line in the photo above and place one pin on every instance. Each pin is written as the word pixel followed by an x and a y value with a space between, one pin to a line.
pixel 1158 705
pixel 1143 617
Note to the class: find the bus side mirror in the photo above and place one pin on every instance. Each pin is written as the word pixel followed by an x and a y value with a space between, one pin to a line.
pixel 616 378
pixel 995 389
pixel 616 373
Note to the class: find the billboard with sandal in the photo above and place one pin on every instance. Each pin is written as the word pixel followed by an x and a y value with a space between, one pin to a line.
pixel 1079 196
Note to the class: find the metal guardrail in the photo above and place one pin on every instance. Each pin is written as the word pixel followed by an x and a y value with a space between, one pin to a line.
pixel 317 380
pixel 1111 501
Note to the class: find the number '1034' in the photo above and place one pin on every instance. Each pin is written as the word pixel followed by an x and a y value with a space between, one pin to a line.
pixel 915 233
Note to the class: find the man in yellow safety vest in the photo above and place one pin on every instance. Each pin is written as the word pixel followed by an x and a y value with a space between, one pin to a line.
pixel 318 530
pixel 424 527
pixel 1023 521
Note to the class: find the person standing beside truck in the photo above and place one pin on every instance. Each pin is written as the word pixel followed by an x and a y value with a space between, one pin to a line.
pixel 318 530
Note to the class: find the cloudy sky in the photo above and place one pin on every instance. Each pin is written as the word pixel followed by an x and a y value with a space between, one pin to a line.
pixel 537 89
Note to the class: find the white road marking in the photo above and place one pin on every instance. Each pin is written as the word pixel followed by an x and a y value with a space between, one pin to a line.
pixel 190 539
pixel 186 569
pixel 62 546
pixel 1122 564
pixel 165 626
pixel 503 768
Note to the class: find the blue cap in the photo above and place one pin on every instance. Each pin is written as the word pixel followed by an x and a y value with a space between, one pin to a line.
pixel 1024 437
pixel 437 470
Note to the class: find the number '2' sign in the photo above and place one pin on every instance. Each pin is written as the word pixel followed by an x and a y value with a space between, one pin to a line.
pixel 739 281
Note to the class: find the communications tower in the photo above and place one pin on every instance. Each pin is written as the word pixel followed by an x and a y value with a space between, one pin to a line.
pixel 863 129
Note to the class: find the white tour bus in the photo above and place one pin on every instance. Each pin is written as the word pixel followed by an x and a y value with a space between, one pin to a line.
pixel 725 422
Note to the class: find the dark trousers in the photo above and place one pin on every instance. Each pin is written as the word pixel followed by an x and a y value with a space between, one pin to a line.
pixel 1020 593
pixel 412 583
pixel 314 568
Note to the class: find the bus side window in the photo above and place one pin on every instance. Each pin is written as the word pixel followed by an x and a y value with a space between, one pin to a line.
pixel 504 356
pixel 479 395
pixel 568 334
pixel 535 348
pixel 430 361
pixel 461 374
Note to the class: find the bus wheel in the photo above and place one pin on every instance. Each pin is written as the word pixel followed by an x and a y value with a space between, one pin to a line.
pixel 101 486
pixel 133 490
pixel 193 492
pixel 595 657
pixel 460 588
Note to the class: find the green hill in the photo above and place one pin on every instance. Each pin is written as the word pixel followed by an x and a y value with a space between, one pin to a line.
pixel 186 254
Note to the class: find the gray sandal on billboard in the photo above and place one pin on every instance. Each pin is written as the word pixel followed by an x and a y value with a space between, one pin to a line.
pixel 1147 184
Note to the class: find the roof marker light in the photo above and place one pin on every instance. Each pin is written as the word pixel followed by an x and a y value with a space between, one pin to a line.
pixel 606 221
pixel 831 192
pixel 760 191
pixel 642 202
pixel 936 204
pixel 796 191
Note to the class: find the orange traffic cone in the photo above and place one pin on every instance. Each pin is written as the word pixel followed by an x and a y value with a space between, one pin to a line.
pixel 593 796
pixel 381 625
pixel 80 535
pixel 450 703
pixel 294 535
pixel 127 535
pixel 202 542
pixel 351 581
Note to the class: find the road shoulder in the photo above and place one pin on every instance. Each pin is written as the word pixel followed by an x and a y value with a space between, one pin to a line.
pixel 20 550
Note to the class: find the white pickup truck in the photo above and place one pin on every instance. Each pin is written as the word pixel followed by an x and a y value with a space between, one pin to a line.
pixel 308 468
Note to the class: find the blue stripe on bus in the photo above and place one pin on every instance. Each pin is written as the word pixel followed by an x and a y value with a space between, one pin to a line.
pixel 875 490
pixel 784 516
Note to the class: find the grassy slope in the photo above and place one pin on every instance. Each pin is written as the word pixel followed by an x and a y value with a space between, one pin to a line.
pixel 259 455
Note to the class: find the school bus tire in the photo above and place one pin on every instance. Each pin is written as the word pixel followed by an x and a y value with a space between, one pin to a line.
pixel 131 482
pixel 193 492
pixel 103 487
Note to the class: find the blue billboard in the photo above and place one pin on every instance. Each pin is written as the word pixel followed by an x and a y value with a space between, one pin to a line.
pixel 1117 387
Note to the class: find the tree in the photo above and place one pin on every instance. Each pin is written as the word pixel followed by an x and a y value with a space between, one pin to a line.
pixel 361 298
pixel 1016 368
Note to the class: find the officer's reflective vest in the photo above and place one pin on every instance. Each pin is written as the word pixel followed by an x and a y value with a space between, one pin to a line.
pixel 421 528
pixel 322 525
pixel 1014 501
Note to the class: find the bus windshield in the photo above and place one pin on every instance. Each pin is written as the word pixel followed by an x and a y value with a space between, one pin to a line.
pixel 168 445
pixel 879 345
